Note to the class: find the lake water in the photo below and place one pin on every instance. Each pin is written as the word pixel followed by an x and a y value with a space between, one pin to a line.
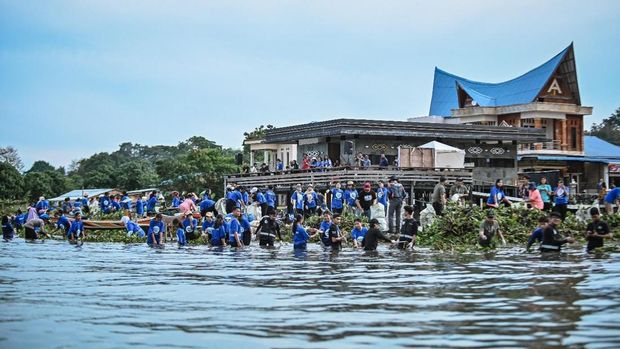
pixel 54 295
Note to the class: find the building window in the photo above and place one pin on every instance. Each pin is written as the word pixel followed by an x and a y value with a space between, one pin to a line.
pixel 527 123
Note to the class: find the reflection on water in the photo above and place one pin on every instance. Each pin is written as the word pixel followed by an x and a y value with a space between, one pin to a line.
pixel 115 295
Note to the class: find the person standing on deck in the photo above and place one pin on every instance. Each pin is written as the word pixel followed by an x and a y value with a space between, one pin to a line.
pixel 552 240
pixel 396 195
pixel 535 199
pixel 545 193
pixel 383 161
pixel 596 231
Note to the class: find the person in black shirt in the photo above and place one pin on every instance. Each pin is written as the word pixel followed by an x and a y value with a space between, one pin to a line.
pixel 596 231
pixel 409 230
pixel 552 240
pixel 365 199
pixel 268 228
pixel 373 236
pixel 335 235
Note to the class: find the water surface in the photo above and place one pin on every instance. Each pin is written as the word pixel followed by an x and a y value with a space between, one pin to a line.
pixel 54 295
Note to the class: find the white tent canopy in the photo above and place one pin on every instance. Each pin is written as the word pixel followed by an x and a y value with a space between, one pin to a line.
pixel 79 193
pixel 446 156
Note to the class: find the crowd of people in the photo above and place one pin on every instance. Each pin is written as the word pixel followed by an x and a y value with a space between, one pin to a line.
pixel 242 215
pixel 316 162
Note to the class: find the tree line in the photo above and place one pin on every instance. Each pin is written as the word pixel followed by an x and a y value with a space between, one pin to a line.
pixel 194 164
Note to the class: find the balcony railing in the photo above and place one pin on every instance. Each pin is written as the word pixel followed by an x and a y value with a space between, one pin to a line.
pixel 553 145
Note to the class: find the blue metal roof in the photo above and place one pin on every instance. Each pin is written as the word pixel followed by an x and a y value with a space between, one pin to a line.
pixel 595 149
pixel 522 89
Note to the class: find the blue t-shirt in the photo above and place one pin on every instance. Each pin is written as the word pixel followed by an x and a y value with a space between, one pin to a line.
pixel 206 204
pixel 325 235
pixel 298 199
pixel 42 205
pixel 175 201
pixel 140 207
pixel 612 196
pixel 537 235
pixel 104 204
pixel 63 222
pixel 150 205
pixel 77 204
pixel 155 228
pixel 382 195
pixel 544 190
pixel 561 196
pixel 217 235
pixel 134 228
pixel 260 197
pixel 310 199
pixel 116 205
pixel 358 234
pixel 206 224
pixel 190 225
pixel 337 198
pixel 350 196
pixel 66 206
pixel 84 202
pixel 181 240
pixel 496 195
pixel 271 198
pixel 125 202
pixel 301 236
pixel 232 227
pixel 77 228
pixel 245 197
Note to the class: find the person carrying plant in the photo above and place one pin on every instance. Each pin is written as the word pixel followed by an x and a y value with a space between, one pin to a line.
pixel 552 241
pixel 596 231
pixel 488 228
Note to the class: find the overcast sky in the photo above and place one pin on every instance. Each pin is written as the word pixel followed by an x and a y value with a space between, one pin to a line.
pixel 79 77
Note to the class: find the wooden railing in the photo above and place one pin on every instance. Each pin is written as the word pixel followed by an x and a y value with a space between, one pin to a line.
pixel 323 177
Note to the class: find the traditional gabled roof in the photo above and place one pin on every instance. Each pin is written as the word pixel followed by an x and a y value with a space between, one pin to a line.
pixel 523 89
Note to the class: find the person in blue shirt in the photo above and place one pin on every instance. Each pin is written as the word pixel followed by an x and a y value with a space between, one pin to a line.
pixel 180 228
pixel 324 228
pixel 562 194
pixel 218 234
pixel 262 201
pixel 139 207
pixel 77 229
pixel 42 205
pixel 125 202
pixel 271 197
pixel 7 228
pixel 297 200
pixel 208 223
pixel 62 222
pixel 382 196
pixel 151 204
pixel 66 205
pixel 132 227
pixel 19 219
pixel 497 196
pixel 84 202
pixel 207 205
pixel 337 199
pixel 612 198
pixel 300 234
pixel 115 205
pixel 234 229
pixel 245 196
pixel 350 195
pixel 190 225
pixel 358 233
pixel 155 234
pixel 279 165
pixel 246 230
pixel 537 234
pixel 105 203
pixel 176 201
pixel 310 199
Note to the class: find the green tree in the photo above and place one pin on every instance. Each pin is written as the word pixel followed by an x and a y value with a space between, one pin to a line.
pixel 11 182
pixel 10 155
pixel 41 166
pixel 47 183
pixel 137 174
pixel 608 129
